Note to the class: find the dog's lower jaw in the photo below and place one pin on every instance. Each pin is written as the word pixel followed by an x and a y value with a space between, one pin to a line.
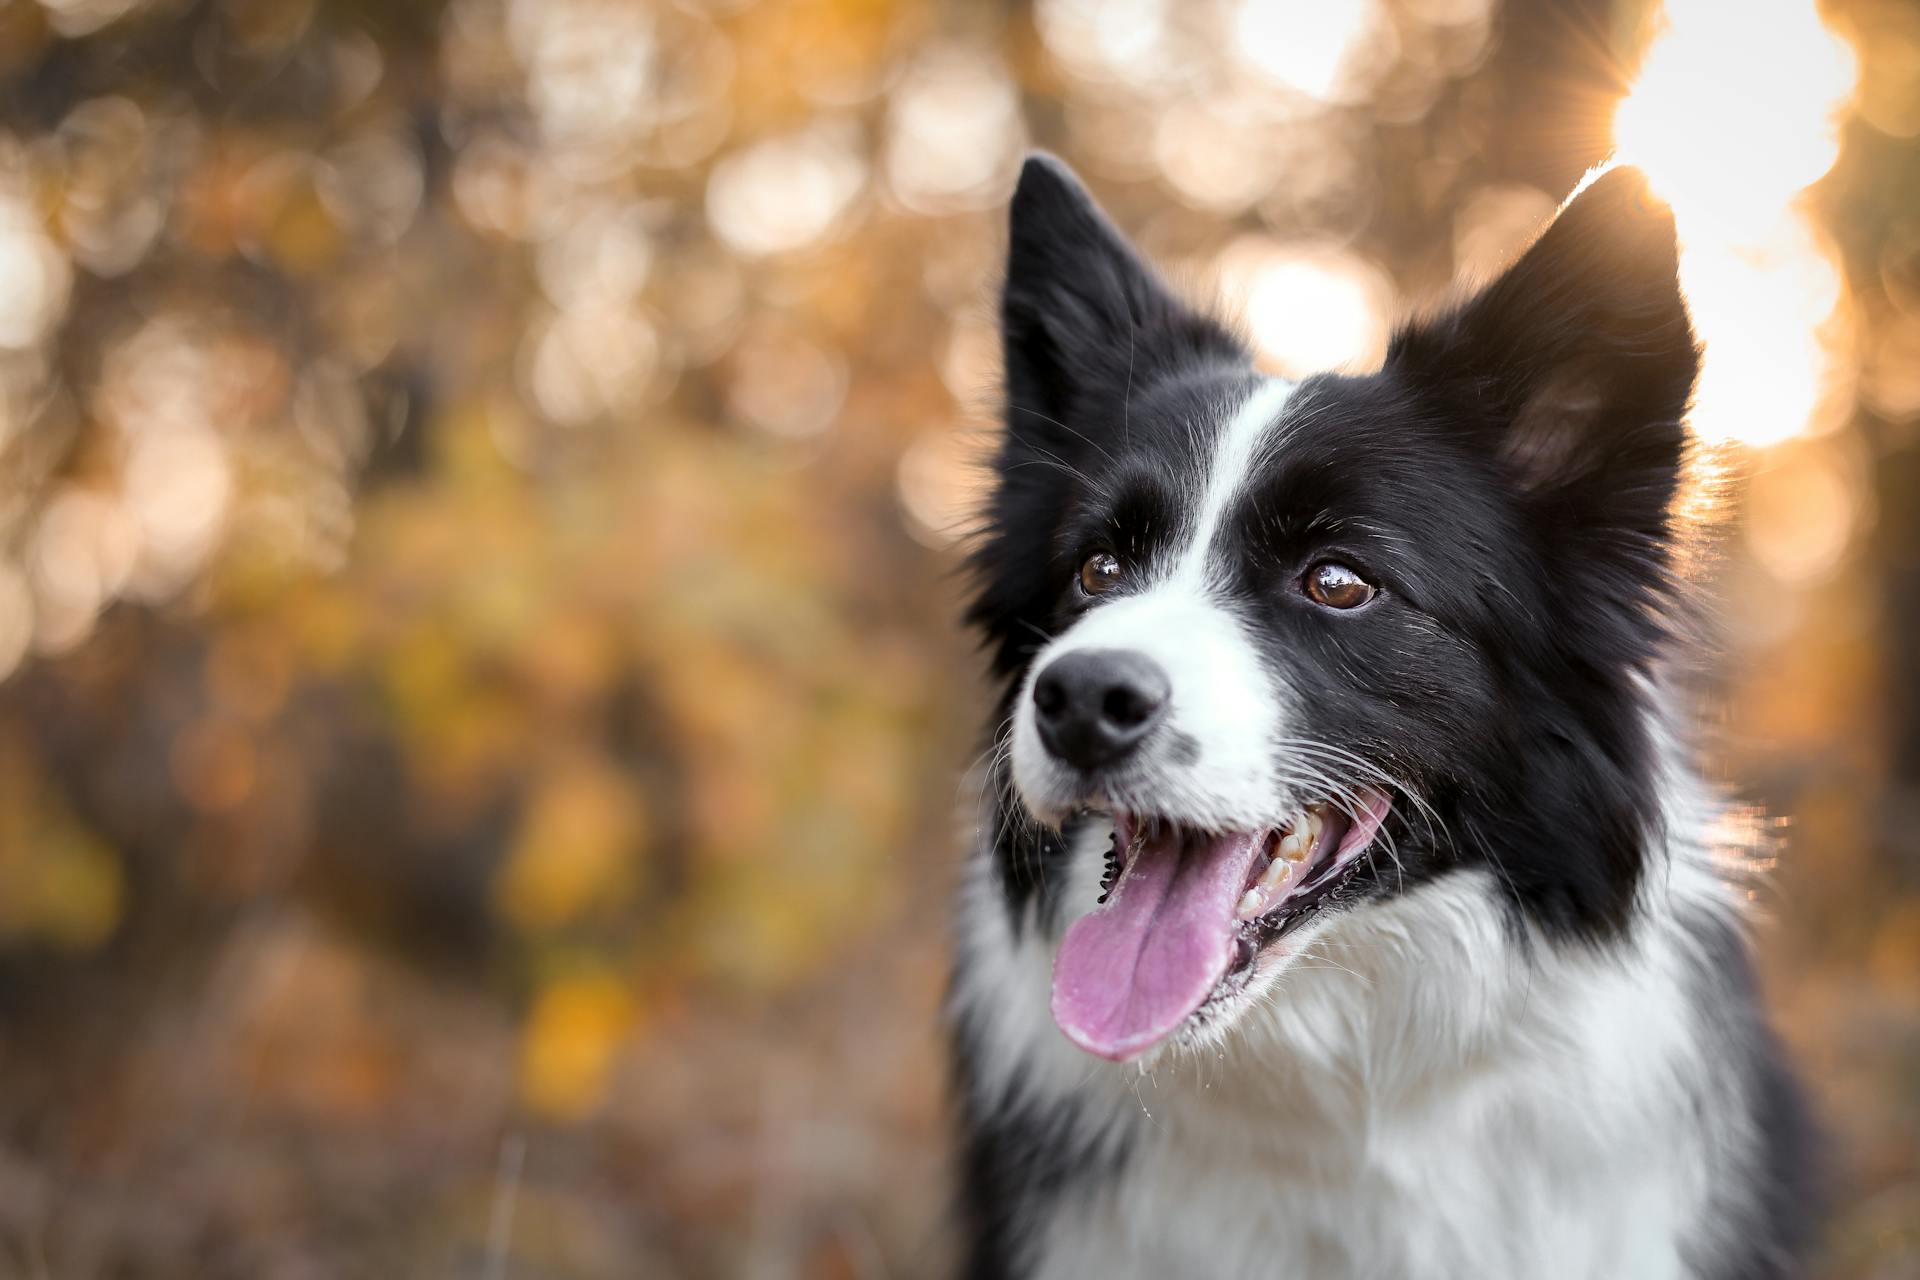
pixel 1184 914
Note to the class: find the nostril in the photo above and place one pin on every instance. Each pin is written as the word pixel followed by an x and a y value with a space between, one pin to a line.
pixel 1049 695
pixel 1126 706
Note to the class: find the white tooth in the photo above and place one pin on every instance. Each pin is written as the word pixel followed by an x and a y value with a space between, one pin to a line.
pixel 1278 872
pixel 1249 904
pixel 1294 847
pixel 1314 822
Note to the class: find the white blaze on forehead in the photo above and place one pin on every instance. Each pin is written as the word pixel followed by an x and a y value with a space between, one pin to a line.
pixel 1226 707
pixel 1236 452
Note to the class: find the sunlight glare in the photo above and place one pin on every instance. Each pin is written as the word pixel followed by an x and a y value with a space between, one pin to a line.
pixel 1734 110
pixel 1733 115
pixel 1766 372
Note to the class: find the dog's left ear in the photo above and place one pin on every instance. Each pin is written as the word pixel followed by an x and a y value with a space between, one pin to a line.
pixel 1082 316
pixel 1086 326
pixel 1574 369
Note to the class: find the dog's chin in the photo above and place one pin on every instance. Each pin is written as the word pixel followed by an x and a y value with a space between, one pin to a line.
pixel 1194 922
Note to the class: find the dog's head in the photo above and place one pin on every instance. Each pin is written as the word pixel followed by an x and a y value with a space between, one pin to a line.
pixel 1306 645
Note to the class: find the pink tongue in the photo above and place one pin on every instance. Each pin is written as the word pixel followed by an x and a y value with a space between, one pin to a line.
pixel 1133 970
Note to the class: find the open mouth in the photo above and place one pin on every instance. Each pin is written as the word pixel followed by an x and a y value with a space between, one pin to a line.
pixel 1187 912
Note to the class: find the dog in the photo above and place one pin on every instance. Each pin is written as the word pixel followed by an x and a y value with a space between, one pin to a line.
pixel 1347 900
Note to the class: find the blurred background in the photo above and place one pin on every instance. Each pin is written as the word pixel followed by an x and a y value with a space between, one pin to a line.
pixel 482 713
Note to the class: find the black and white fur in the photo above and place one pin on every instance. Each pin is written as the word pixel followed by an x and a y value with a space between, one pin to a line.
pixel 1528 1044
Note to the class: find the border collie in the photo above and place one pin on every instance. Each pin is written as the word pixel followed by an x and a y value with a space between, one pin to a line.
pixel 1346 901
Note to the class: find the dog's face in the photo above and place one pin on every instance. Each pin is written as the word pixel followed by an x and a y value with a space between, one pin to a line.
pixel 1307 645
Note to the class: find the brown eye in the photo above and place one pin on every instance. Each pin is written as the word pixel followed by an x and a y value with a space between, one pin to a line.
pixel 1100 573
pixel 1337 586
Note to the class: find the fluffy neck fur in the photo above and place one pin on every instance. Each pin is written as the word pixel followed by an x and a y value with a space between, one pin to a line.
pixel 1437 1089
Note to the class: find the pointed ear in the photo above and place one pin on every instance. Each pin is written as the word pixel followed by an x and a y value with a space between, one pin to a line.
pixel 1081 314
pixel 1573 371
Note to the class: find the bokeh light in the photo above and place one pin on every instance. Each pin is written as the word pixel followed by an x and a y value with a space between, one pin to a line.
pixel 1308 306
pixel 1804 512
pixel 1327 51
pixel 954 136
pixel 786 193
pixel 35 272
pixel 1137 43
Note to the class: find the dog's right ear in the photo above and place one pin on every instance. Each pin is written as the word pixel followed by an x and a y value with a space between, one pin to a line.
pixel 1085 325
pixel 1082 316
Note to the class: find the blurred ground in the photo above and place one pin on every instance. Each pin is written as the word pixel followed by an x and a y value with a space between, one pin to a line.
pixel 481 703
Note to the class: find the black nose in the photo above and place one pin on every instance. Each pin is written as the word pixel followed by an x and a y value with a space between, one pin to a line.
pixel 1093 706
